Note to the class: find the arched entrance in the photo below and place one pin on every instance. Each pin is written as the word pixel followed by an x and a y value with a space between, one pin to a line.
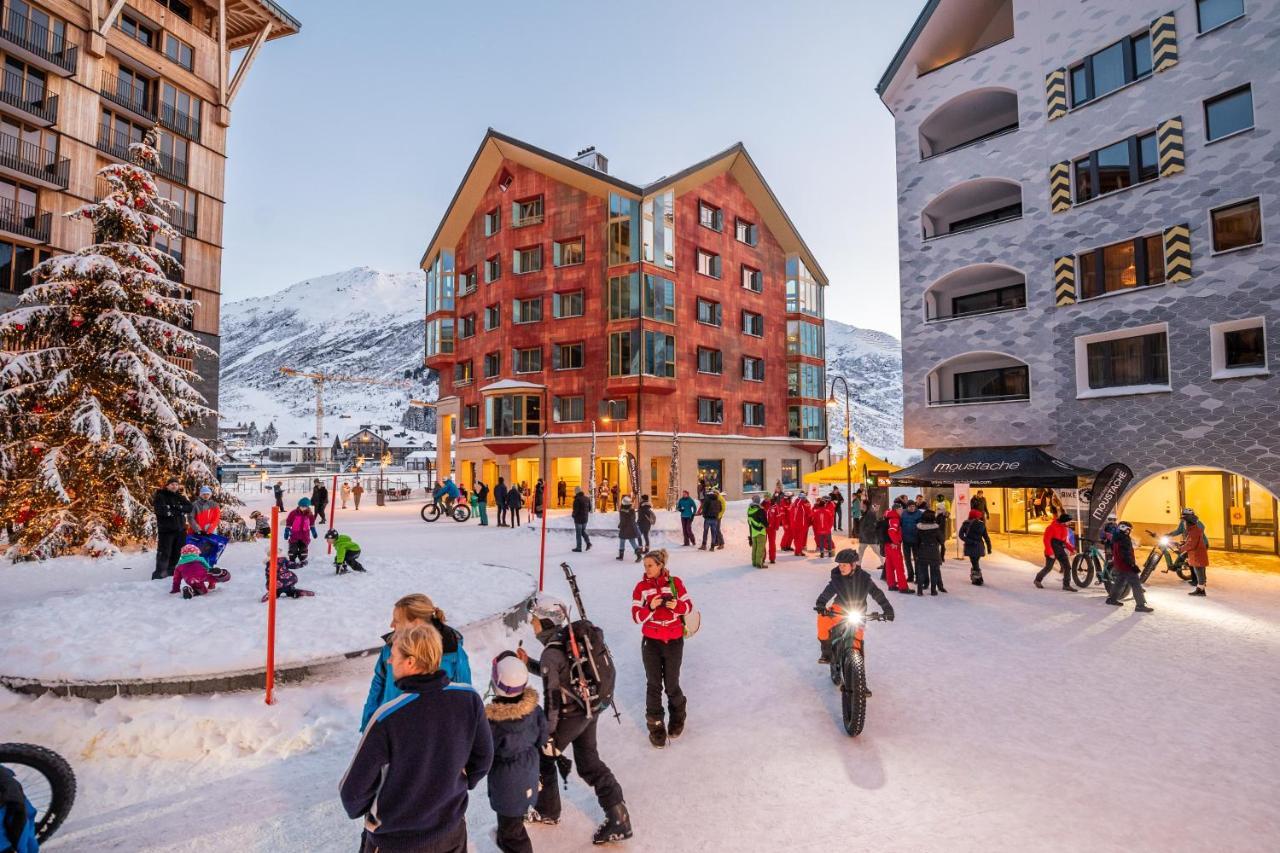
pixel 1239 514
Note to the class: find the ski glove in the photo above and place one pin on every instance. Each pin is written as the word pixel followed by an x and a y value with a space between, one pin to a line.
pixel 286 534
pixel 888 616
pixel 314 534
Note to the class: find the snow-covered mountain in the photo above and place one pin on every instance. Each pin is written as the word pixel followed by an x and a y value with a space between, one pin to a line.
pixel 366 322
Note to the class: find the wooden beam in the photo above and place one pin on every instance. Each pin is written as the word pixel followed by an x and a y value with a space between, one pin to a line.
pixel 249 56
pixel 222 53
pixel 111 17
pixel 95 14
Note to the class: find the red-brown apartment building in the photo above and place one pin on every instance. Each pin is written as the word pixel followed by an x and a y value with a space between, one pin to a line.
pixel 684 318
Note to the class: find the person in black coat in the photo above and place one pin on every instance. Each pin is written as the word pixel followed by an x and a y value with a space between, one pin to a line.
pixel 519 728
pixel 514 501
pixel 628 530
pixel 838 499
pixel 976 544
pixel 645 520
pixel 710 512
pixel 562 492
pixel 538 494
pixel 500 498
pixel 278 491
pixel 581 513
pixel 929 550
pixel 320 501
pixel 847 589
pixel 868 524
pixel 171 510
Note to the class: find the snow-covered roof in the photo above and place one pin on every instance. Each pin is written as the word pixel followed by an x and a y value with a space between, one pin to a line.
pixel 422 454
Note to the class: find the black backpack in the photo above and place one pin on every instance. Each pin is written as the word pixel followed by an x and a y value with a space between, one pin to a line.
pixel 591 670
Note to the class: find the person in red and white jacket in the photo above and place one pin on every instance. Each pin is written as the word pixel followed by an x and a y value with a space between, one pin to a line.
pixel 657 605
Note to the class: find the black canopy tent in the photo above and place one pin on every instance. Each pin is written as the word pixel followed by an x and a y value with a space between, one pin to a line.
pixel 1012 467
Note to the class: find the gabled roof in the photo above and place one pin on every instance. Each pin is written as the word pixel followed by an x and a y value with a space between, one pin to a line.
pixel 496 147
pixel 922 20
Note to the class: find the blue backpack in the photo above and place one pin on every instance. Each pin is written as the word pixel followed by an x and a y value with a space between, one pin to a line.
pixel 17 816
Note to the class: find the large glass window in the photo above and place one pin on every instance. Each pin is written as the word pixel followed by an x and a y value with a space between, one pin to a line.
pixel 987 301
pixel 711 472
pixel 1001 383
pixel 439 336
pixel 569 304
pixel 179 110
pixel 179 51
pixel 1229 113
pixel 624 222
pixel 659 298
pixel 631 352
pixel 1138 360
pixel 804 293
pixel 790 473
pixel 806 380
pixel 136 30
pixel 1110 68
pixel 753 475
pixel 1118 166
pixel 660 229
pixel 1122 266
pixel 807 422
pixel 440 283
pixel 804 338
pixel 15 262
pixel 567 356
pixel 656 300
pixel 710 411
pixel 513 414
pixel 1237 225
pixel 1215 13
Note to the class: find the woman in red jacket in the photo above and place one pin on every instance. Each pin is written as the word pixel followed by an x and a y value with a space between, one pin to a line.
pixel 824 521
pixel 801 518
pixel 895 571
pixel 657 605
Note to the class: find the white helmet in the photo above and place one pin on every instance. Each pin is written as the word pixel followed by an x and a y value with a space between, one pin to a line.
pixel 549 609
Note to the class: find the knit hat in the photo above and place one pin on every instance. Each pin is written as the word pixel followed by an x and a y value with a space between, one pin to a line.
pixel 190 549
pixel 756 500
pixel 510 675
pixel 205 492
pixel 304 503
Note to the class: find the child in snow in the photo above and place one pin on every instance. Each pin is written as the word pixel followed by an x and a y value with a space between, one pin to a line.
pixel 191 575
pixel 299 530
pixel 346 552
pixel 519 728
pixel 847 590
pixel 286 579
pixel 261 524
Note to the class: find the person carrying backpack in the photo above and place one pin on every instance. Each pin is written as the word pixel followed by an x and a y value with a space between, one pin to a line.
pixel 658 602
pixel 710 512
pixel 1126 570
pixel 519 728
pixel 976 544
pixel 581 515
pixel 570 668
pixel 628 530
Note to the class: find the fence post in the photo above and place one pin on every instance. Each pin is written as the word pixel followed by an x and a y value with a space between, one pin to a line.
pixel 333 508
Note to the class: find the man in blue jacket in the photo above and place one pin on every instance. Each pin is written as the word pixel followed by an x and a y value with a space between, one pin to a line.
pixel 421 754
pixel 910 517
pixel 688 509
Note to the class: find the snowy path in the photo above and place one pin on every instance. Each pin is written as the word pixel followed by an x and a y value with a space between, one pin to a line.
pixel 1004 718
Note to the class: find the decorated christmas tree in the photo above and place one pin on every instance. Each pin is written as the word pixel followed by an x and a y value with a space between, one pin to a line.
pixel 94 408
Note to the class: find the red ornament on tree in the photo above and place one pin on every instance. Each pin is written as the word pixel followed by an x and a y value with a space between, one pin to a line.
pixel 19 326
pixel 37 449
pixel 38 409
pixel 140 203
pixel 117 520
pixel 77 320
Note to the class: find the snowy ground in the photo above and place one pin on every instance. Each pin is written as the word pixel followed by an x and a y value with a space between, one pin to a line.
pixel 1004 718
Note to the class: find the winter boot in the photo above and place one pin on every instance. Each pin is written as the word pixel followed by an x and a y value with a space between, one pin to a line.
pixel 616 826
pixel 824 657
pixel 1038 584
pixel 657 733
pixel 619 557
pixel 588 544
pixel 676 728
pixel 533 815
pixel 1066 588
pixel 186 592
pixel 576 550
pixel 1113 601
pixel 1144 609
pixel 1197 592
pixel 639 556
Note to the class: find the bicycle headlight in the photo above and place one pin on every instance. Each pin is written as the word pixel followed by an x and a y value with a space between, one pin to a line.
pixel 1164 541
pixel 855 619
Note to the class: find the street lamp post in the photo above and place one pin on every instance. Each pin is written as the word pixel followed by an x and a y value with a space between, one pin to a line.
pixel 848 450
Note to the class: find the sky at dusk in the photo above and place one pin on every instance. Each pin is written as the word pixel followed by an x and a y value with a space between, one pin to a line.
pixel 349 139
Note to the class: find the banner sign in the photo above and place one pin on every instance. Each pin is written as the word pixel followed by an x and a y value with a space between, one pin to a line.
pixel 633 469
pixel 960 504
pixel 1104 497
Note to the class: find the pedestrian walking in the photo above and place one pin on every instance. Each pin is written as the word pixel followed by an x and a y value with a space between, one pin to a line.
pixel 581 513
pixel 614 491
pixel 1126 570
pixel 345 491
pixel 837 500
pixel 515 500
pixel 481 498
pixel 278 492
pixel 710 512
pixel 979 502
pixel 538 496
pixel 500 500
pixel 910 518
pixel 570 726
pixel 628 529
pixel 687 509
pixel 658 605
pixel 1057 546
pixel 855 513
pixel 420 755
pixel 357 491
pixel 562 492
pixel 800 519
pixel 976 544
pixel 895 570
pixel 519 728
pixel 929 548
pixel 320 500
pixel 757 531
pixel 171 510
pixel 645 519
pixel 868 525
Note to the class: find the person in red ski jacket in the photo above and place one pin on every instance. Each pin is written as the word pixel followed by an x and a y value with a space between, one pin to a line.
pixel 657 605
pixel 824 520
pixel 775 513
pixel 895 571
pixel 1057 546
pixel 800 519
pixel 784 522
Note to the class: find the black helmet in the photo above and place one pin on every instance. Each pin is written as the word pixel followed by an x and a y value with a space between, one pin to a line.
pixel 1188 512
pixel 848 555
pixel 331 534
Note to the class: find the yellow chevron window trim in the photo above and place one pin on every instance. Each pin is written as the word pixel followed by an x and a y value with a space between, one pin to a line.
pixel 1060 186
pixel 1055 89
pixel 1169 145
pixel 1164 43
pixel 1177 253
pixel 1064 280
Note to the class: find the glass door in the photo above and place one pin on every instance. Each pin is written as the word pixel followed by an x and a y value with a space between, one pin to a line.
pixel 1206 493
pixel 1015 510
pixel 1252 516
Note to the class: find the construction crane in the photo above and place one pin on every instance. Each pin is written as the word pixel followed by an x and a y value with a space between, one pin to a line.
pixel 320 379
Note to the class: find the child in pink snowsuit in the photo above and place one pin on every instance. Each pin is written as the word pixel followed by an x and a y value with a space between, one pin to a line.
pixel 895 573
pixel 300 529
pixel 192 573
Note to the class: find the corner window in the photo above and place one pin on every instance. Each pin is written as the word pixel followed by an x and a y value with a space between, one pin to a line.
pixel 624 225
pixel 492 317
pixel 807 422
pixel 710 216
pixel 745 231
pixel 492 269
pixel 526 310
pixel 804 339
pixel 710 361
pixel 569 253
pixel 1237 226
pixel 806 380
pixel 752 368
pixel 708 263
pixel 752 279
pixel 635 352
pixel 1118 166
pixel 528 360
pixel 569 410
pixel 1214 13
pixel 470 417
pixel 492 222
pixel 1122 266
pixel 804 293
pixel 513 414
pixel 753 414
pixel 708 312
pixel 710 411
pixel 1229 113
pixel 567 356
pixel 753 324
pixel 526 212
pixel 659 229
pixel 568 304
pixel 492 365
pixel 1110 68
pixel 631 296
pixel 753 473
pixel 1239 348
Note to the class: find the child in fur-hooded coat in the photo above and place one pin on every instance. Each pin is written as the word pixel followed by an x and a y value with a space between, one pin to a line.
pixel 519 728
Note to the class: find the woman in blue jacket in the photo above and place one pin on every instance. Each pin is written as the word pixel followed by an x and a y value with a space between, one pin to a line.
pixel 415 608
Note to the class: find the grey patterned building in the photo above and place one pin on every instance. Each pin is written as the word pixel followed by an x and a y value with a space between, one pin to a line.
pixel 1084 192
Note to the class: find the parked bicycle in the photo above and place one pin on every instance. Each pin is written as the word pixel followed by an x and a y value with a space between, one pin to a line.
pixel 1165 549
pixel 453 509
pixel 849 666
pixel 36 780
pixel 1092 562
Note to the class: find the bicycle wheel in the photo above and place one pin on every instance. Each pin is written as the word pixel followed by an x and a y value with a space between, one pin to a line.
pixel 430 512
pixel 853 695
pixel 1084 569
pixel 461 512
pixel 1184 570
pixel 1153 560
pixel 47 781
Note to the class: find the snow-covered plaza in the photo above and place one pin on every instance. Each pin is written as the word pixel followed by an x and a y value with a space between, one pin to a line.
pixel 1004 717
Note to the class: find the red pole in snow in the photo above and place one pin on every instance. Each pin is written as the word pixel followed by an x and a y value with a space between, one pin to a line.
pixel 333 507
pixel 271 605
pixel 542 559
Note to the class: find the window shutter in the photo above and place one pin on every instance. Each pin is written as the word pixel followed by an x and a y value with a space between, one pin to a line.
pixel 1064 280
pixel 1055 88
pixel 1164 43
pixel 1177 253
pixel 1060 186
pixel 1169 143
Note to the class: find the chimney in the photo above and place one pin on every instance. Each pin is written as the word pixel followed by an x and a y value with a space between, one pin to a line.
pixel 593 159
